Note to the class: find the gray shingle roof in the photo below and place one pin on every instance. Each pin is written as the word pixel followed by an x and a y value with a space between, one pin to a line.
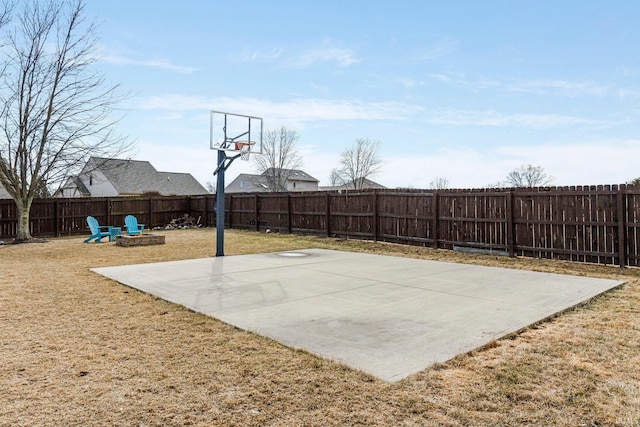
pixel 179 184
pixel 76 182
pixel 3 193
pixel 293 175
pixel 366 184
pixel 139 177
pixel 247 183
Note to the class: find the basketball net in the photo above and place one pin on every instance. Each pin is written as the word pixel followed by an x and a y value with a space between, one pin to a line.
pixel 244 147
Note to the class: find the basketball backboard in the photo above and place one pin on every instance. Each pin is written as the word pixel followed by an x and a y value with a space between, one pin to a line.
pixel 236 133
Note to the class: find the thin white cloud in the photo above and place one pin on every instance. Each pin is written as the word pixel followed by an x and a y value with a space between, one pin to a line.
pixel 319 88
pixel 326 52
pixel 255 55
pixel 300 110
pixel 629 93
pixel 444 78
pixel 408 83
pixel 532 86
pixel 558 87
pixel 312 109
pixel 496 119
pixel 163 64
pixel 461 80
pixel 440 48
pixel 376 81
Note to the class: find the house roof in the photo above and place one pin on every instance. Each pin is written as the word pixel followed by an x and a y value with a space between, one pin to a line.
pixel 249 183
pixel 76 182
pixel 179 184
pixel 366 184
pixel 293 175
pixel 4 194
pixel 139 177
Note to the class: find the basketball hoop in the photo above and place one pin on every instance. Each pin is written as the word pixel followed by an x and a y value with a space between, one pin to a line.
pixel 233 136
pixel 244 147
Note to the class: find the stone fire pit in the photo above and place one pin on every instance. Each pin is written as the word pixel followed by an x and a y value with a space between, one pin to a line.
pixel 139 240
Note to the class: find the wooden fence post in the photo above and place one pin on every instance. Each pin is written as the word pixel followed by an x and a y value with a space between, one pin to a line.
pixel 289 220
pixel 205 211
pixel 510 225
pixel 109 208
pixel 327 214
pixel 188 199
pixel 150 212
pixel 256 212
pixel 435 206
pixel 375 215
pixel 56 217
pixel 622 247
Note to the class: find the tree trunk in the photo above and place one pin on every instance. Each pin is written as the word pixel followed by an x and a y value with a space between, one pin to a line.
pixel 24 209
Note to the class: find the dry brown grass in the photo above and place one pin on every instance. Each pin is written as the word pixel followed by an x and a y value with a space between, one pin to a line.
pixel 77 349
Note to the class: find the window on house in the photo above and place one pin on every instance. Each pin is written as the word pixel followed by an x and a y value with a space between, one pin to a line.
pixel 90 179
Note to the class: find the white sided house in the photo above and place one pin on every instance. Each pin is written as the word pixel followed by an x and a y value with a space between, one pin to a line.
pixel 294 180
pixel 102 177
pixel 4 194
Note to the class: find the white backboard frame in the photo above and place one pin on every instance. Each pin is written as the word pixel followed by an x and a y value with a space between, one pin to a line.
pixel 227 129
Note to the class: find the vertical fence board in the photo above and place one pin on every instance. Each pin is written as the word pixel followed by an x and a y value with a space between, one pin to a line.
pixel 272 212
pixel 632 222
pixel 309 213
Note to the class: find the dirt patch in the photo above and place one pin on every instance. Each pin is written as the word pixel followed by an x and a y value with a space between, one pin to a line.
pixel 79 349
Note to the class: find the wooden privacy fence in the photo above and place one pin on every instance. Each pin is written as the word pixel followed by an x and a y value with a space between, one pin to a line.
pixel 597 224
pixel 65 217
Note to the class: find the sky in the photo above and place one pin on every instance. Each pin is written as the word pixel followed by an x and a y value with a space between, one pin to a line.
pixel 465 91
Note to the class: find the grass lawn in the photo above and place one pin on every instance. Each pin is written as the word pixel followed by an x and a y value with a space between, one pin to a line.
pixel 77 349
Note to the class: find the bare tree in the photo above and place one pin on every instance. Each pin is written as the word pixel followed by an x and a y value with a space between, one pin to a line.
pixel 54 109
pixel 5 12
pixel 359 162
pixel 497 184
pixel 279 157
pixel 528 176
pixel 439 183
pixel 335 178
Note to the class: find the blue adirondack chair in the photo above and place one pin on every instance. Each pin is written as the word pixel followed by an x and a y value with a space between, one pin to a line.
pixel 133 228
pixel 98 233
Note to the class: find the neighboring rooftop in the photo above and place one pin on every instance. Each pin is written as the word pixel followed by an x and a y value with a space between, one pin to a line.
pixel 293 174
pixel 102 177
pixel 366 184
pixel 3 193
pixel 139 177
pixel 296 180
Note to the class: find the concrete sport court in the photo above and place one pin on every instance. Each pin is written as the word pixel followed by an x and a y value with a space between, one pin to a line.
pixel 387 316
